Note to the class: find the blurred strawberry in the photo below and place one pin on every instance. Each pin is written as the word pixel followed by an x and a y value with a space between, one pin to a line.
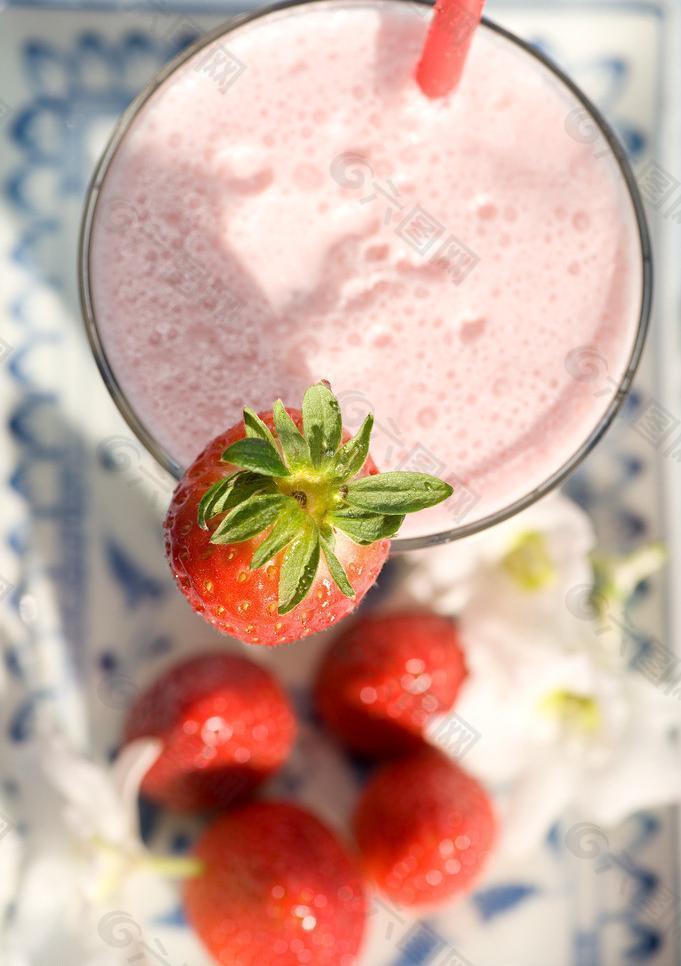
pixel 278 889
pixel 424 828
pixel 383 679
pixel 225 724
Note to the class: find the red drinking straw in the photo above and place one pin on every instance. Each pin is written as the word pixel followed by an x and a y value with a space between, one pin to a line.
pixel 449 37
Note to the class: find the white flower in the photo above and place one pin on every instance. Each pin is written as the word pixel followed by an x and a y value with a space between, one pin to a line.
pixel 561 718
pixel 541 553
pixel 618 759
pixel 81 852
pixel 556 716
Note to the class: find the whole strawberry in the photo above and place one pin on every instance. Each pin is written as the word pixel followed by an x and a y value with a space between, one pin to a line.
pixel 424 828
pixel 383 679
pixel 225 725
pixel 277 889
pixel 282 524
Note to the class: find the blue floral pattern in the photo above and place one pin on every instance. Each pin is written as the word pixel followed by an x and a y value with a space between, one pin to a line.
pixel 74 88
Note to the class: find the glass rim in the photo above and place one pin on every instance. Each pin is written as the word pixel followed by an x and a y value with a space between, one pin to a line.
pixel 152 445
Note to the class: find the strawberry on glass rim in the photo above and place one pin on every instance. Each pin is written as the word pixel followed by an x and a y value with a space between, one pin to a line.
pixel 283 523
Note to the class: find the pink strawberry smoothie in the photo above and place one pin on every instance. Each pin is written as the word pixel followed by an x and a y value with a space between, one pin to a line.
pixel 289 206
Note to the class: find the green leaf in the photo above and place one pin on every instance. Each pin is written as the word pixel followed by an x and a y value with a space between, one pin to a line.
pixel 299 568
pixel 256 454
pixel 292 441
pixel 364 527
pixel 228 492
pixel 289 523
pixel 322 423
pixel 212 495
pixel 256 428
pixel 352 455
pixel 336 568
pixel 398 492
pixel 249 518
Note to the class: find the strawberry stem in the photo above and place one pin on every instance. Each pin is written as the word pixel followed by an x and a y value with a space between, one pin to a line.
pixel 300 488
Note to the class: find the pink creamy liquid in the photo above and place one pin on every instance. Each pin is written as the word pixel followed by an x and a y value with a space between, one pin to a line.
pixel 240 254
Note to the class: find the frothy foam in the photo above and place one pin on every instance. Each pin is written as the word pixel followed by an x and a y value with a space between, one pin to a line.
pixel 253 239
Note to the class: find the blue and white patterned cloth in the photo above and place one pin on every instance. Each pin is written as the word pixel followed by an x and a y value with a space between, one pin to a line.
pixel 88 610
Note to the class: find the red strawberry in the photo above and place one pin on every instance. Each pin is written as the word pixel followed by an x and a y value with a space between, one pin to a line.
pixel 424 828
pixel 225 724
pixel 277 889
pixel 383 679
pixel 281 525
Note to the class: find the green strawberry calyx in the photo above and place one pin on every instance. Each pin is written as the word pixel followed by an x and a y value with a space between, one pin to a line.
pixel 303 487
